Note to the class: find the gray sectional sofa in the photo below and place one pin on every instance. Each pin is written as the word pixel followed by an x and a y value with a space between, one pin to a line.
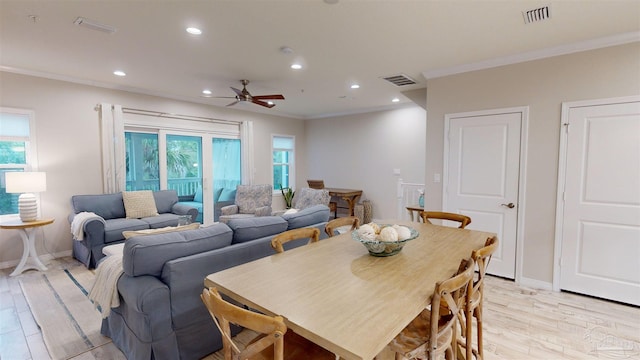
pixel 161 315
pixel 107 227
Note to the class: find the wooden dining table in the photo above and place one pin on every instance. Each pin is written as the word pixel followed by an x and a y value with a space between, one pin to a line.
pixel 351 196
pixel 337 295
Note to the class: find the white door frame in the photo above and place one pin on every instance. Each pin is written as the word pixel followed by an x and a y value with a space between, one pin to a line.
pixel 524 135
pixel 562 167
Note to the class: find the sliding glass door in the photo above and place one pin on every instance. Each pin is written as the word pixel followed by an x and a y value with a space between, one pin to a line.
pixel 203 169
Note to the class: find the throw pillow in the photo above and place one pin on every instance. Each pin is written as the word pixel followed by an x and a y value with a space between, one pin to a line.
pixel 228 195
pixel 168 229
pixel 198 196
pixel 139 204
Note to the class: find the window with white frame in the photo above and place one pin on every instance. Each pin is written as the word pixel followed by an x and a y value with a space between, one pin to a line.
pixel 17 151
pixel 283 161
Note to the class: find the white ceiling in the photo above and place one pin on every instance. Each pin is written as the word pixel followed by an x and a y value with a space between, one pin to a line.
pixel 351 41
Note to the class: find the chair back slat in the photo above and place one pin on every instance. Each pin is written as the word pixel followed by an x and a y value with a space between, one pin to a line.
pixel 334 224
pixel 313 234
pixel 462 219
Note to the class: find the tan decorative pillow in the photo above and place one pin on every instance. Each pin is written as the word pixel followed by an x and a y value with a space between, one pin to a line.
pixel 168 229
pixel 139 204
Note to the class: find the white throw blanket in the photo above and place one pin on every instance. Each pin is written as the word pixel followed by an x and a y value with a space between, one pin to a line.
pixel 104 292
pixel 77 225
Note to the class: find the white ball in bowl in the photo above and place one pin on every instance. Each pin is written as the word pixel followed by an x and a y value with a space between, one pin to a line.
pixel 388 234
pixel 367 232
pixel 403 232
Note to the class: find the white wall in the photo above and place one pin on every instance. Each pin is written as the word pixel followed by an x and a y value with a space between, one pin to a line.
pixel 542 85
pixel 361 151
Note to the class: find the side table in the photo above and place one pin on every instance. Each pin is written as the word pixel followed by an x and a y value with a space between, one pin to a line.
pixel 26 231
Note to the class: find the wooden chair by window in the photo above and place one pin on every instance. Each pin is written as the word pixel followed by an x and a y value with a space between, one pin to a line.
pixel 482 257
pixel 433 332
pixel 313 234
pixel 334 224
pixel 273 343
pixel 462 219
pixel 319 184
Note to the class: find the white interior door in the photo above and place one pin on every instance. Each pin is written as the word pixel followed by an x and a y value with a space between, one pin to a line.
pixel 482 172
pixel 601 217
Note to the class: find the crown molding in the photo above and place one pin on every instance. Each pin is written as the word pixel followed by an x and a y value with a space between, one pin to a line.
pixel 591 44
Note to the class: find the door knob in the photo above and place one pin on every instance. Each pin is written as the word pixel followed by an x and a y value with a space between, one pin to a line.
pixel 509 205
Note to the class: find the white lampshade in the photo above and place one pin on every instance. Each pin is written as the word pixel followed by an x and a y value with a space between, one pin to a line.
pixel 26 183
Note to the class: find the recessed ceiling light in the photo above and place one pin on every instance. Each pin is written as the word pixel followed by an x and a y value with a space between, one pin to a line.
pixel 270 102
pixel 194 31
pixel 119 73
pixel 296 66
pixel 395 100
pixel 355 86
pixel 206 92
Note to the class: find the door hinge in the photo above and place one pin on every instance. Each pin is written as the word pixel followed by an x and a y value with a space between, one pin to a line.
pixel 566 127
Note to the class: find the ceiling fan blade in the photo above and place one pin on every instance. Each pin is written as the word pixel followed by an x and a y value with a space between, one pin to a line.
pixel 269 97
pixel 239 92
pixel 262 103
pixel 233 103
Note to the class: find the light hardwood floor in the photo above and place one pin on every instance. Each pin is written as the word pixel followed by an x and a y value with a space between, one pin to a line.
pixel 520 323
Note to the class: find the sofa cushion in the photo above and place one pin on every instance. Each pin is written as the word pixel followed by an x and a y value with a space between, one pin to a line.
pixel 167 229
pixel 162 220
pixel 146 255
pixel 139 204
pixel 165 199
pixel 247 229
pixel 306 217
pixel 113 228
pixel 107 206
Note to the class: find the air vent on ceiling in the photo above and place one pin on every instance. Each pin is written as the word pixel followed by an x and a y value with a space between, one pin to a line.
pixel 94 25
pixel 535 15
pixel 400 80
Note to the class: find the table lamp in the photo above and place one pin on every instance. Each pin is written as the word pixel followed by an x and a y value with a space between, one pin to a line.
pixel 26 183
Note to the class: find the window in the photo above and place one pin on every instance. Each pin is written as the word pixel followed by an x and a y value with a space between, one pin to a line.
pixel 16 151
pixel 283 161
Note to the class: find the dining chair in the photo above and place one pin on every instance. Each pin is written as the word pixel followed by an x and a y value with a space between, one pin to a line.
pixel 462 219
pixel 313 234
pixel 334 224
pixel 433 332
pixel 319 184
pixel 473 308
pixel 273 341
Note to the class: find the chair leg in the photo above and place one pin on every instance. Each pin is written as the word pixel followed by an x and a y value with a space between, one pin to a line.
pixel 468 333
pixel 478 315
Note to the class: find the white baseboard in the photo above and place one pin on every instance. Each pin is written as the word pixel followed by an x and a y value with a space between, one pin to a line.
pixel 536 284
pixel 44 258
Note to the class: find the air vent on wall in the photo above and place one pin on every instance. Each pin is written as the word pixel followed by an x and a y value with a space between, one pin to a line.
pixel 535 15
pixel 94 25
pixel 400 80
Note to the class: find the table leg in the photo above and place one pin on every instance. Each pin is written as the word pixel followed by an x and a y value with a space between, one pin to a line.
pixel 351 200
pixel 28 250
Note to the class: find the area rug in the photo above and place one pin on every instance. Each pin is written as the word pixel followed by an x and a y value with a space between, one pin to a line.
pixel 69 322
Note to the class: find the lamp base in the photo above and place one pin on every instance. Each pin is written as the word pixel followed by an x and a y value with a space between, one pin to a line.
pixel 28 207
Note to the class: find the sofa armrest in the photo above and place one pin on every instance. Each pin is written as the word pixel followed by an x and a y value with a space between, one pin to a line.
pixel 263 211
pixel 229 210
pixel 151 297
pixel 183 209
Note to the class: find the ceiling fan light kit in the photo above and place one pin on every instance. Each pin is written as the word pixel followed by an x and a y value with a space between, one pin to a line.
pixel 245 95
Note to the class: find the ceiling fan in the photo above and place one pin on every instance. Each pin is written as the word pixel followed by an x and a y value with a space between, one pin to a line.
pixel 244 95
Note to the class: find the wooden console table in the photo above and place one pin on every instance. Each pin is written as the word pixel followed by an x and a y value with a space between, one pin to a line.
pixel 28 242
pixel 351 196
